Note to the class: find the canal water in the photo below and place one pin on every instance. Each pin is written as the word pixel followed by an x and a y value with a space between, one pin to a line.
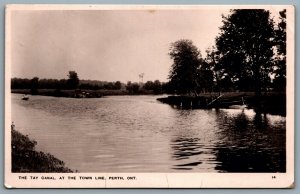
pixel 140 134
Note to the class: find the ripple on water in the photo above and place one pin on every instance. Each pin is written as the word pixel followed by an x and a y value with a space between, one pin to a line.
pixel 140 134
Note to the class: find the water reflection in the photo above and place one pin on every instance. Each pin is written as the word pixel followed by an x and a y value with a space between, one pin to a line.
pixel 240 141
pixel 249 144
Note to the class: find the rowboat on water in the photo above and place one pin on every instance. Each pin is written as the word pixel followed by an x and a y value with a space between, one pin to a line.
pixel 25 97
pixel 236 106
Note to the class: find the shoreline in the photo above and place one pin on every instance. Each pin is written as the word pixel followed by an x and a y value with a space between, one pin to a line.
pixel 81 93
pixel 24 157
pixel 271 103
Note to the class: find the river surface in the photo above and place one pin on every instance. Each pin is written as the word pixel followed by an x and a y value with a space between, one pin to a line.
pixel 140 134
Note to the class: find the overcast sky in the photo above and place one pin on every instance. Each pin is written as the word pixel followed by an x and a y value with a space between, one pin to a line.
pixel 106 45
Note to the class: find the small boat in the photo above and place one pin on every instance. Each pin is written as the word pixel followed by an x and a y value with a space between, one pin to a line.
pixel 25 97
pixel 239 106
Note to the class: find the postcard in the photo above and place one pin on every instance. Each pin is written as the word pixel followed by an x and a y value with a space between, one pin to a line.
pixel 149 96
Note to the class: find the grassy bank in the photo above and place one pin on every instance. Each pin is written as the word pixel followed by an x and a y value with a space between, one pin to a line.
pixel 26 159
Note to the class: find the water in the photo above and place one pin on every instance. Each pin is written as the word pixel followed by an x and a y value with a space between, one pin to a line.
pixel 140 134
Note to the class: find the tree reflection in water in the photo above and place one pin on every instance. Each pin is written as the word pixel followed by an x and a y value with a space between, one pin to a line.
pixel 251 144
pixel 243 143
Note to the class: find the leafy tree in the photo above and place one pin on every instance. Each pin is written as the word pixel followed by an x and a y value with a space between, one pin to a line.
pixel 118 85
pixel 34 84
pixel 221 80
pixel 148 85
pixel 280 39
pixel 207 76
pixel 157 87
pixel 168 88
pixel 205 80
pixel 19 83
pixel 109 86
pixel 245 45
pixel 63 84
pixel 226 83
pixel 133 88
pixel 128 85
pixel 186 61
pixel 73 80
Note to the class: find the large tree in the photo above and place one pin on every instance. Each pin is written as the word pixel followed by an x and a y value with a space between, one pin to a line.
pixel 211 62
pixel 205 77
pixel 280 65
pixel 34 85
pixel 246 47
pixel 73 80
pixel 184 70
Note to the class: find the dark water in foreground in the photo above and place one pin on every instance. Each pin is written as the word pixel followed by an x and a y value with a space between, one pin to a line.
pixel 139 134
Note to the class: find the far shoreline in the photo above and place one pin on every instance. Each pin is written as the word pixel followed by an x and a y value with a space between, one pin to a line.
pixel 77 93
pixel 264 104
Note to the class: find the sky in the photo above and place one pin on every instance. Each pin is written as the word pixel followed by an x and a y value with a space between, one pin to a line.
pixel 106 45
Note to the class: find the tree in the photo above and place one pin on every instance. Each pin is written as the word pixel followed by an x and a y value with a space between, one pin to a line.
pixel 208 73
pixel 148 85
pixel 221 80
pixel 280 63
pixel 205 80
pixel 186 61
pixel 19 83
pixel 34 84
pixel 133 88
pixel 245 45
pixel 109 86
pixel 118 85
pixel 73 80
pixel 157 88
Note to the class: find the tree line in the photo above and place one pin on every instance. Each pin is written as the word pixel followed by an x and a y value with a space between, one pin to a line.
pixel 73 82
pixel 249 55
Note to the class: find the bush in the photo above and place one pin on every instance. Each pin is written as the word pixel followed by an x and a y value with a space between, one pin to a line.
pixel 26 159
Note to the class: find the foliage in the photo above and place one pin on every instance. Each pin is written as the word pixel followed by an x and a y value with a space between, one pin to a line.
pixel 186 61
pixel 245 45
pixel 155 86
pixel 205 80
pixel 132 88
pixel 34 84
pixel 26 159
pixel 62 84
pixel 280 41
pixel 73 80
pixel 118 85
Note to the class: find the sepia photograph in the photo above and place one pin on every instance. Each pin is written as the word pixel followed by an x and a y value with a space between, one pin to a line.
pixel 149 96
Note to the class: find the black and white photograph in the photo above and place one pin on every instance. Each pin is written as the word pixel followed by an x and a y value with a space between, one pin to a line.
pixel 149 96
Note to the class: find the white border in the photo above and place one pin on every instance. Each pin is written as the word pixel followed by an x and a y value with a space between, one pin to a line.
pixel 157 180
